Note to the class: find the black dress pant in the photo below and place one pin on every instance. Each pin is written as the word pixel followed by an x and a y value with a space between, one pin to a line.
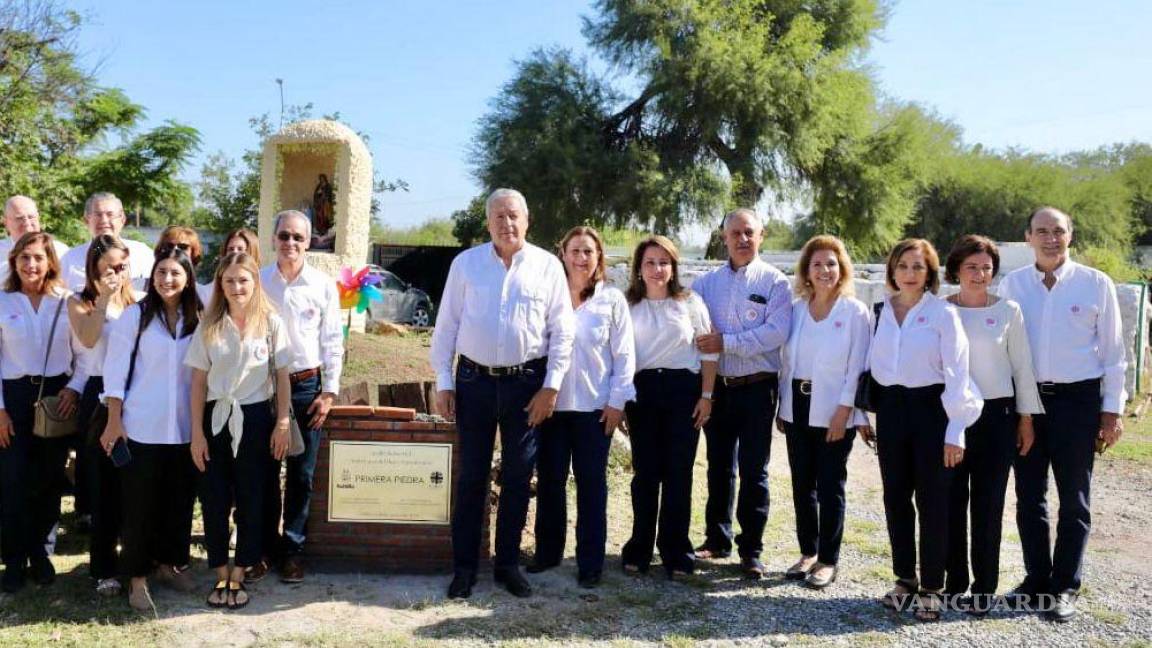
pixel 910 427
pixel 158 491
pixel 28 484
pixel 819 473
pixel 106 500
pixel 238 480
pixel 1065 440
pixel 981 481
pixel 576 439
pixel 664 439
pixel 739 435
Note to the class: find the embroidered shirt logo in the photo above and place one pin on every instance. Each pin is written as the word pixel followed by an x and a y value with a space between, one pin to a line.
pixel 1075 310
pixel 750 314
pixel 990 322
pixel 838 324
pixel 921 319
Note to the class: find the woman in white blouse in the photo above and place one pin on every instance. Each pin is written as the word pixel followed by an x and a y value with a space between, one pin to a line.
pixel 919 360
pixel 36 353
pixel 235 432
pixel 589 407
pixel 821 364
pixel 107 293
pixel 674 385
pixel 1001 365
pixel 146 387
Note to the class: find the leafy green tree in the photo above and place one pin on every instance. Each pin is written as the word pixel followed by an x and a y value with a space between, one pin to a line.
pixel 470 226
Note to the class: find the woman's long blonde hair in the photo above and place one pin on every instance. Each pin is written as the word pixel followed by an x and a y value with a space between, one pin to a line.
pixel 255 313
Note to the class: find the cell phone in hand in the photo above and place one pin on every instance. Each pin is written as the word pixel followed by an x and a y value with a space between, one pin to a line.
pixel 120 455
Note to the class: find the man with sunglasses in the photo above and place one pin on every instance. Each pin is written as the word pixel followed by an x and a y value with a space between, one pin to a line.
pixel 307 300
pixel 104 214
pixel 20 217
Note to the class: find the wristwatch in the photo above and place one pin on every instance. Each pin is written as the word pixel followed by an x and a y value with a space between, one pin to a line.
pixel 706 395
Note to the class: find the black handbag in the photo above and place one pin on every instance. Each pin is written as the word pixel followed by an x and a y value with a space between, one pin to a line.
pixel 867 389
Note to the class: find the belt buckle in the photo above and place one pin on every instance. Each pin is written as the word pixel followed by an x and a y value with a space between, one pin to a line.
pixel 726 380
pixel 36 380
pixel 806 387
pixel 1047 388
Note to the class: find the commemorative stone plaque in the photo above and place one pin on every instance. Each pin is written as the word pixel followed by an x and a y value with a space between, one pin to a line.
pixel 380 481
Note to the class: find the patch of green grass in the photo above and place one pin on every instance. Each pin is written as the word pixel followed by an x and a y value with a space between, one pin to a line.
pixel 1139 450
pixel 1107 616
pixel 677 641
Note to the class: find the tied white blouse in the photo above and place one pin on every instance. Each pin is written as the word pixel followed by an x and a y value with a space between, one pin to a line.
pixel 24 338
pixel 999 354
pixel 830 353
pixel 603 355
pixel 666 330
pixel 156 406
pixel 930 348
pixel 238 371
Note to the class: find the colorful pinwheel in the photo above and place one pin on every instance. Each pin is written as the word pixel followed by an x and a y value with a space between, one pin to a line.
pixel 357 291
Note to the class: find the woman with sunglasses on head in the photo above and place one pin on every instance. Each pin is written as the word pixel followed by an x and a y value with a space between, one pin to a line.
pixel 925 399
pixel 1001 366
pixel 107 293
pixel 37 356
pixel 821 365
pixel 236 429
pixel 146 387
pixel 674 384
pixel 186 239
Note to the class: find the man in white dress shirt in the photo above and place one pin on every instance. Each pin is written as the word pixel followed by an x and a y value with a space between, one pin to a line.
pixel 20 217
pixel 104 214
pixel 308 302
pixel 750 303
pixel 506 312
pixel 1073 321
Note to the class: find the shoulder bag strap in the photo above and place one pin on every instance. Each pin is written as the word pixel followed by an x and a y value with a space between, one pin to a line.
pixel 877 308
pixel 135 350
pixel 48 350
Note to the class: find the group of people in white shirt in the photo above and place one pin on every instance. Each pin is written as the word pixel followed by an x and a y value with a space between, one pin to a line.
pixel 197 398
pixel 963 389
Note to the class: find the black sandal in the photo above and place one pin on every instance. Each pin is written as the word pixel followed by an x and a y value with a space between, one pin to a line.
pixel 221 590
pixel 234 588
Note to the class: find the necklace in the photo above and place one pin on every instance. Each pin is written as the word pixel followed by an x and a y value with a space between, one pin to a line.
pixel 955 299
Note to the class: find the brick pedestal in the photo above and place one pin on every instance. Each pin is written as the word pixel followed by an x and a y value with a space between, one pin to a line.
pixel 380 547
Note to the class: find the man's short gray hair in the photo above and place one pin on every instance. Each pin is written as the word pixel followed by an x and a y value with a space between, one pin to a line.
pixel 505 193
pixel 99 196
pixel 291 213
pixel 742 211
pixel 10 204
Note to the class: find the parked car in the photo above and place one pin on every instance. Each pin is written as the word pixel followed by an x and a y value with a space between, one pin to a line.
pixel 402 303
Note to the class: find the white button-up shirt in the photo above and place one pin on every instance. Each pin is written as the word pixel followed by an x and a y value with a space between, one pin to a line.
pixel 238 371
pixel 837 357
pixel 24 339
pixel 930 348
pixel 310 308
pixel 156 405
pixel 752 307
pixel 603 355
pixel 140 259
pixel 1074 329
pixel 666 330
pixel 999 357
pixel 6 246
pixel 502 317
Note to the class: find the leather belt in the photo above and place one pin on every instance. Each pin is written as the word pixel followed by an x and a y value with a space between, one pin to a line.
pixel 530 367
pixel 301 376
pixel 1052 389
pixel 737 381
pixel 804 387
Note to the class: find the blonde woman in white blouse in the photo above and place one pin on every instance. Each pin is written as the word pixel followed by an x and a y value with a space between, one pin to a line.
pixel 1001 365
pixel 236 431
pixel 674 384
pixel 821 364
pixel 925 401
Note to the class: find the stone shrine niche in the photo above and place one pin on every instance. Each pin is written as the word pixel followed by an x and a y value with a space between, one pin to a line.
pixel 322 168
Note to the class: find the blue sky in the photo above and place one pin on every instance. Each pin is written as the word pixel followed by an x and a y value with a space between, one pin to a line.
pixel 1046 75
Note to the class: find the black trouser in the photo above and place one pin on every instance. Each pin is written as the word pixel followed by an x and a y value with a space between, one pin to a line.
pixel 103 485
pixel 819 472
pixel 28 469
pixel 664 439
pixel 159 491
pixel 238 480
pixel 739 434
pixel 484 404
pixel 301 470
pixel 1065 439
pixel 910 427
pixel 575 438
pixel 990 446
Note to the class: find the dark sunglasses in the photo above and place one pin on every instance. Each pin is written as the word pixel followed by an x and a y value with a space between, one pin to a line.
pixel 288 236
pixel 118 268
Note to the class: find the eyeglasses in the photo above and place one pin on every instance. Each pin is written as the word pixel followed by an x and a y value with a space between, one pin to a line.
pixel 289 236
pixel 118 268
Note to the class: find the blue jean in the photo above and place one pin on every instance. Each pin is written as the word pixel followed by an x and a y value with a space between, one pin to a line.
pixel 297 484
pixel 483 404
pixel 576 439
